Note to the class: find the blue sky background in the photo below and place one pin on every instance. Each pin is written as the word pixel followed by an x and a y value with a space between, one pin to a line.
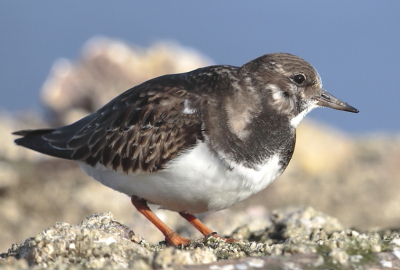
pixel 354 45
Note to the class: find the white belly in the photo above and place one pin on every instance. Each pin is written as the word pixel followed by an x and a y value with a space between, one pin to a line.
pixel 195 182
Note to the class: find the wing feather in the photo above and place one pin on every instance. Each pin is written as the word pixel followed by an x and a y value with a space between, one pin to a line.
pixel 140 130
pixel 141 135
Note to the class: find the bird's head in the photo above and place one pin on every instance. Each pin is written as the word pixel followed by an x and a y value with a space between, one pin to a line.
pixel 291 85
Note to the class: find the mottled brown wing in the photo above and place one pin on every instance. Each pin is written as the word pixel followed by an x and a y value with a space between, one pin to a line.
pixel 140 130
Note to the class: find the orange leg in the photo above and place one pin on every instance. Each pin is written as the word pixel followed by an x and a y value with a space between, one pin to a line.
pixel 203 228
pixel 171 237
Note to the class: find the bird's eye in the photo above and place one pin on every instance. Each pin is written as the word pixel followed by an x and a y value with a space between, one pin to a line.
pixel 299 78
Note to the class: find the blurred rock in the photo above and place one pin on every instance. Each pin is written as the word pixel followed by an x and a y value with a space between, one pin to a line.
pixel 321 149
pixel 9 124
pixel 355 179
pixel 107 68
pixel 8 177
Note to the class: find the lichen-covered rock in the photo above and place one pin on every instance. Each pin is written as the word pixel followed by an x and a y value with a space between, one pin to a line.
pixel 299 238
pixel 97 242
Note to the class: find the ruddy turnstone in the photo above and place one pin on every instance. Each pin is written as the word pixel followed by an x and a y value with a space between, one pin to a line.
pixel 197 141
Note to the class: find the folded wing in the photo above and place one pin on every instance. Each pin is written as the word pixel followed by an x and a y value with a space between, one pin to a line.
pixel 140 130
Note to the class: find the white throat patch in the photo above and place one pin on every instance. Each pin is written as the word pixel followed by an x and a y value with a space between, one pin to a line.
pixel 297 119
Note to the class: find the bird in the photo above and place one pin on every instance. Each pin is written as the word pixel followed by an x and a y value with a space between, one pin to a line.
pixel 194 142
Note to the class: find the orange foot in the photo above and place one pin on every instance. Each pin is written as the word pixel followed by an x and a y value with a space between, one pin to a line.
pixel 176 240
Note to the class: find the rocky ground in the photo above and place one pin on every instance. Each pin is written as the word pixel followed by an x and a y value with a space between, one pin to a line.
pixel 354 179
pixel 300 238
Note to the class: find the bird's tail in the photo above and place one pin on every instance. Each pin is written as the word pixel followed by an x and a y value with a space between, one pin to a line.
pixel 35 140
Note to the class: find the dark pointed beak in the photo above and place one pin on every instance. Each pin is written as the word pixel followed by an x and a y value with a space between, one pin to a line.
pixel 324 99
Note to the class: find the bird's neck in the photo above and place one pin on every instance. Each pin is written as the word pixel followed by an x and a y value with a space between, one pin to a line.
pixel 247 132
